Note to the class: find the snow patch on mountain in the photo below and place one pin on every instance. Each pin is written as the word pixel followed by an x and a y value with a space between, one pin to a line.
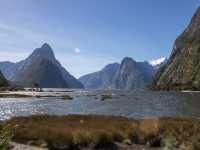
pixel 158 61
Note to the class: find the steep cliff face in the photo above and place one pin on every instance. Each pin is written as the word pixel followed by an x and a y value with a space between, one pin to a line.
pixel 182 70
pixel 132 75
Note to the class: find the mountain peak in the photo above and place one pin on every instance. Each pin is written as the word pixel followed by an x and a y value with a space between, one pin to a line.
pixel 128 60
pixel 44 51
pixel 46 46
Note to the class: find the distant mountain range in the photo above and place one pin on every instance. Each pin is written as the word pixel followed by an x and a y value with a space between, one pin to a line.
pixel 41 68
pixel 182 71
pixel 126 76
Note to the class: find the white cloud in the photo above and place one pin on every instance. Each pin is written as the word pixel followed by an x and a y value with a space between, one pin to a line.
pixel 77 50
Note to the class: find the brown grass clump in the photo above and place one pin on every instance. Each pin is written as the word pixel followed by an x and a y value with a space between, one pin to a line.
pixel 102 132
pixel 70 130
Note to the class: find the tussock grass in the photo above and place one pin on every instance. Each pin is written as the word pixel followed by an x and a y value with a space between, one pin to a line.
pixel 70 131
pixel 100 132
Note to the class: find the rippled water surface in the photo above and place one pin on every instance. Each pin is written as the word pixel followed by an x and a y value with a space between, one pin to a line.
pixel 138 104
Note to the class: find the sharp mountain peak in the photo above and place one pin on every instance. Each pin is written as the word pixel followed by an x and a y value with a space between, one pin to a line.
pixel 44 51
pixel 127 60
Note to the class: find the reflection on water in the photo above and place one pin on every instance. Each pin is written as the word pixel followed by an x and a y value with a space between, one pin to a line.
pixel 137 104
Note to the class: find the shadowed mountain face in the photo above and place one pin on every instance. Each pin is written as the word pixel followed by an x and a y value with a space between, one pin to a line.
pixel 127 75
pixel 40 67
pixel 48 75
pixel 182 71
pixel 3 81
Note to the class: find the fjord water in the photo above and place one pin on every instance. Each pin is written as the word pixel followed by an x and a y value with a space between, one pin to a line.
pixel 132 104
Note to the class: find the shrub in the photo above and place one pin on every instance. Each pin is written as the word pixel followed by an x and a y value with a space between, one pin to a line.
pixel 5 138
pixel 104 141
pixel 82 138
pixel 169 142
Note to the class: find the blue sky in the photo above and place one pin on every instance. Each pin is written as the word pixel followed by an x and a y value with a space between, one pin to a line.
pixel 88 34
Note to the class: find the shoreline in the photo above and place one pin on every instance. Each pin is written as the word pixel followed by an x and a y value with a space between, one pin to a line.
pixel 60 94
pixel 36 94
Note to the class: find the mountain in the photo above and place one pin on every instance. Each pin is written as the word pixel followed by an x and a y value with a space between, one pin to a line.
pixel 132 75
pixel 3 81
pixel 101 79
pixel 42 72
pixel 158 63
pixel 126 76
pixel 40 67
pixel 182 70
